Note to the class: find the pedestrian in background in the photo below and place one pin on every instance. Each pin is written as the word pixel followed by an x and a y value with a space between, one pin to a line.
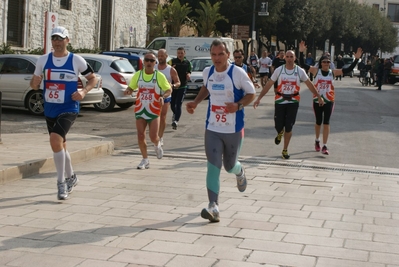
pixel 183 68
pixel 379 72
pixel 388 63
pixel 340 65
pixel 253 61
pixel 172 77
pixel 59 71
pixel 264 70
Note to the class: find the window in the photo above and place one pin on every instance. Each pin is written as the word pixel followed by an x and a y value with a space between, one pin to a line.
pixel 65 4
pixel 157 44
pixel 15 22
pixel 94 64
pixel 393 12
pixel 376 6
pixel 18 66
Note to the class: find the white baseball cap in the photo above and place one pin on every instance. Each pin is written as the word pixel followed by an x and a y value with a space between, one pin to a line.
pixel 60 31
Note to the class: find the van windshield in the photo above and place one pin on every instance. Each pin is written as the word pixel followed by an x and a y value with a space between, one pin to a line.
pixel 157 44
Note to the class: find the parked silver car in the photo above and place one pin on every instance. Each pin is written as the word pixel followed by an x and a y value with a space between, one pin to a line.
pixel 196 81
pixel 116 73
pixel 16 71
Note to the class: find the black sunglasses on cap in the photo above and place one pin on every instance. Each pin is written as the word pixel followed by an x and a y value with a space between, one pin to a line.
pixel 57 38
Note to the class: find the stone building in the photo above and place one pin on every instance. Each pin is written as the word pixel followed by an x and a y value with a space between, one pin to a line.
pixel 104 24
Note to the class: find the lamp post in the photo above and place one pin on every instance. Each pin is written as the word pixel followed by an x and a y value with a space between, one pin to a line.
pixel 253 26
pixel 263 12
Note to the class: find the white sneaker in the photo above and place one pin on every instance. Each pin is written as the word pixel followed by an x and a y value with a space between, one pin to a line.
pixel 158 150
pixel 144 164
pixel 211 213
pixel 161 141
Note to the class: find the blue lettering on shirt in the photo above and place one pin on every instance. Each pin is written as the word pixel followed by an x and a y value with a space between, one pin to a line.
pixel 217 86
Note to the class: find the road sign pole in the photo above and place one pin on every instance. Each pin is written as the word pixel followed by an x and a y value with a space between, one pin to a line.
pixel 253 26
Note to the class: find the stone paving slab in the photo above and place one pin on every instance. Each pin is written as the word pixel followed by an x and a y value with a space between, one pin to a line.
pixel 290 215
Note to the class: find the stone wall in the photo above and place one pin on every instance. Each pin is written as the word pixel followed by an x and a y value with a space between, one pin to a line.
pixel 82 21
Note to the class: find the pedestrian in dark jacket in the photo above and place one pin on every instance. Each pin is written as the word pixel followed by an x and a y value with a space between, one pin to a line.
pixel 380 73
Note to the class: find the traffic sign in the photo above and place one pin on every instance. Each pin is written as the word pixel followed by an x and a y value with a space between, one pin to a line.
pixel 240 32
pixel 263 13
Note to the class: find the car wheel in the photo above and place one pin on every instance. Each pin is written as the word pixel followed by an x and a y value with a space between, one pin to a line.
pixel 108 102
pixel 351 74
pixel 125 105
pixel 34 102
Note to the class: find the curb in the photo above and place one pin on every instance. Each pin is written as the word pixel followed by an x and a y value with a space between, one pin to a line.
pixel 84 149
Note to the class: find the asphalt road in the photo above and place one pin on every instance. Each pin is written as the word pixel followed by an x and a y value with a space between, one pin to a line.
pixel 364 127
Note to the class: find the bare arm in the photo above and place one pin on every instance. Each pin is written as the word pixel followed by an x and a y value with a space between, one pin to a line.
pixel 232 107
pixel 264 91
pixel 36 81
pixel 202 94
pixel 313 89
pixel 91 83
pixel 175 78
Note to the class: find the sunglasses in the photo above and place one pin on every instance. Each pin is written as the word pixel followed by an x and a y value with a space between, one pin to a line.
pixel 238 57
pixel 149 60
pixel 57 38
pixel 325 61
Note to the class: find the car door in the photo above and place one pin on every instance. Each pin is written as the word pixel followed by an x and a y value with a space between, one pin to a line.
pixel 15 76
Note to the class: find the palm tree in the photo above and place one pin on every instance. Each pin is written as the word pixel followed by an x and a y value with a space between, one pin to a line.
pixel 207 18
pixel 157 22
pixel 176 16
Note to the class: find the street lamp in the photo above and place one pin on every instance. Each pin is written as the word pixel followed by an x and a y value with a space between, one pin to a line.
pixel 263 12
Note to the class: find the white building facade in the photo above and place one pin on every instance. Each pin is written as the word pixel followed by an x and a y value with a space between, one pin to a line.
pixel 389 8
pixel 104 24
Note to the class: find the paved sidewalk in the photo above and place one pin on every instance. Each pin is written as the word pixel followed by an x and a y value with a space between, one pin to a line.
pixel 293 213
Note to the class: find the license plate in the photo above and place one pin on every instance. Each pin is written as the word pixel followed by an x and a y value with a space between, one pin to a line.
pixel 193 87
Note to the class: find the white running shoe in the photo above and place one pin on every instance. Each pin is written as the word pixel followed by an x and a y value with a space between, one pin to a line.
pixel 211 213
pixel 144 164
pixel 158 150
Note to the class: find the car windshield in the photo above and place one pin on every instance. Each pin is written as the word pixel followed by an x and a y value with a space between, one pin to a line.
pixel 347 60
pixel 122 66
pixel 199 64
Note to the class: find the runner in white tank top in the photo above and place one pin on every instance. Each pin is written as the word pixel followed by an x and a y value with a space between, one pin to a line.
pixel 173 78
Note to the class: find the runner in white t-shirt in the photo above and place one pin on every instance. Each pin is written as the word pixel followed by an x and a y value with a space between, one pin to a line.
pixel 229 89
pixel 264 70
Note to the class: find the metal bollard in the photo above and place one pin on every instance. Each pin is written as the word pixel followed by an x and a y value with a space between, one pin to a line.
pixel 1 108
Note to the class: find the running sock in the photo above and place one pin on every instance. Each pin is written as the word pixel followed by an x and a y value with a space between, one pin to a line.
pixel 59 161
pixel 317 140
pixel 68 164
pixel 237 169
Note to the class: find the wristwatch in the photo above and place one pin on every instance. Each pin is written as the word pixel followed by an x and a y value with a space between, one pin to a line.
pixel 240 106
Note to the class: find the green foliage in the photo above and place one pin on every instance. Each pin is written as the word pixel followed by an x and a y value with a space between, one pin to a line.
pixel 37 51
pixel 207 18
pixel 157 19
pixel 83 50
pixel 341 21
pixel 6 49
pixel 176 16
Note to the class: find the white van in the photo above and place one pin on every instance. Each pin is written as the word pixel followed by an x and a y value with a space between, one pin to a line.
pixel 194 46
